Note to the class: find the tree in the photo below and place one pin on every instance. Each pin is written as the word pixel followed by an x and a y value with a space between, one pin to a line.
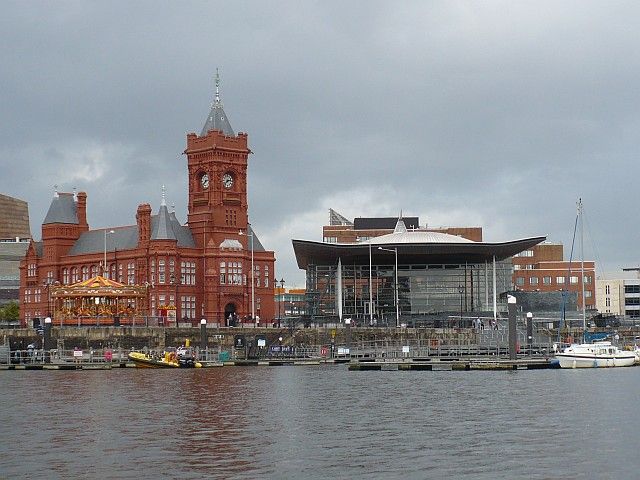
pixel 10 311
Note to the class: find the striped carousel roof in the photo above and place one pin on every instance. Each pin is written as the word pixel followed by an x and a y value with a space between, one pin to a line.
pixel 98 286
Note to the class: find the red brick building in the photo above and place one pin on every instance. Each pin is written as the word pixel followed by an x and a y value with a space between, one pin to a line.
pixel 341 230
pixel 202 269
pixel 543 269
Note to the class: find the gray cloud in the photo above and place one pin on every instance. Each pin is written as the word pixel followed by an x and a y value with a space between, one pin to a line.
pixel 499 114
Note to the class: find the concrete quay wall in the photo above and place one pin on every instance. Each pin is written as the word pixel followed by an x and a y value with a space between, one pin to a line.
pixel 162 337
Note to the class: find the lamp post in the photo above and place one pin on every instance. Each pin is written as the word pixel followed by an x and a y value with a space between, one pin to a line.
pixel 203 338
pixel 280 300
pixel 46 339
pixel 395 250
pixel 460 291
pixel 253 282
pixel 173 282
pixel 529 331
pixel 47 285
pixel 104 265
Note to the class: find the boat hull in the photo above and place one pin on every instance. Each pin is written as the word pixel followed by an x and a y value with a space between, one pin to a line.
pixel 145 361
pixel 576 360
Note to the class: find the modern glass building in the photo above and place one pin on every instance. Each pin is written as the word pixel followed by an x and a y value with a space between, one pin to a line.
pixel 406 276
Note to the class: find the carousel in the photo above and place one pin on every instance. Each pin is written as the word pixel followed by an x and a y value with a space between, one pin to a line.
pixel 98 301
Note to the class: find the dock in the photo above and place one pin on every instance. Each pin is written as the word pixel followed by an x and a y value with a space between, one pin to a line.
pixel 454 364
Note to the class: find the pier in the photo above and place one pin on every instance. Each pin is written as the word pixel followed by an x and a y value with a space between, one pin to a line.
pixel 456 364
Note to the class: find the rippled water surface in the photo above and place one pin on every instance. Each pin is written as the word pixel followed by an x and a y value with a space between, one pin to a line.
pixel 319 422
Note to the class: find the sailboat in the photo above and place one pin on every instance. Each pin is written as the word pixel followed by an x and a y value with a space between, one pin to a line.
pixel 597 354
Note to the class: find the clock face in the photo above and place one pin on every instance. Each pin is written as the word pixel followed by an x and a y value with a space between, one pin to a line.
pixel 204 180
pixel 227 180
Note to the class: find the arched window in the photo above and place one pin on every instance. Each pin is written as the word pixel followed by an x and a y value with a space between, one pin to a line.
pixel 85 273
pixel 65 276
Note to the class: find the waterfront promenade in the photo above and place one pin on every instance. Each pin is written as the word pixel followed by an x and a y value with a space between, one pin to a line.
pixel 363 348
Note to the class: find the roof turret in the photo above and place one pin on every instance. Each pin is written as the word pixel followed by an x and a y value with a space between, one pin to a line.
pixel 162 227
pixel 63 209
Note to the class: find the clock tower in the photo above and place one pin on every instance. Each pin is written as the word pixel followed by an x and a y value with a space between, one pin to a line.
pixel 217 163
pixel 236 271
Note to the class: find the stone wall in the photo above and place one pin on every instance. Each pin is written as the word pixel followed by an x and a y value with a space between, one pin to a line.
pixel 158 338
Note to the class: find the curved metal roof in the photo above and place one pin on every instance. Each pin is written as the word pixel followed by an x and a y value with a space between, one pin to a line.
pixel 451 251
pixel 417 236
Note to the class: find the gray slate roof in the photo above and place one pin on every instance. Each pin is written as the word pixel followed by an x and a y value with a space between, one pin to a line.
pixel 257 245
pixel 162 228
pixel 63 209
pixel 126 238
pixel 182 233
pixel 217 120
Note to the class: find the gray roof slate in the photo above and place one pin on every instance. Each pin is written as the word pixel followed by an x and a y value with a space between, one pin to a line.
pixel 126 238
pixel 257 245
pixel 162 227
pixel 63 209
pixel 38 246
pixel 182 232
pixel 217 120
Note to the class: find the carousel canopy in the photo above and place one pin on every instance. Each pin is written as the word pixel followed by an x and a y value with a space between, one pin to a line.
pixel 98 287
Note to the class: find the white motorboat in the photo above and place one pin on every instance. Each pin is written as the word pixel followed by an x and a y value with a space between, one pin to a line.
pixel 636 350
pixel 594 355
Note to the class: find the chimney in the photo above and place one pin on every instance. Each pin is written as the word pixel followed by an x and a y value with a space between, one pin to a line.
pixel 82 209
pixel 143 217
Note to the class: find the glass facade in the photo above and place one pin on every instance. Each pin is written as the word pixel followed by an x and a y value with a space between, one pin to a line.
pixel 423 290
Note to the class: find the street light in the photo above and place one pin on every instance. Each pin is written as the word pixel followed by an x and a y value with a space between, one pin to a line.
pixel 174 282
pixel 253 282
pixel 395 250
pixel 104 266
pixel 281 300
pixel 460 291
pixel 529 332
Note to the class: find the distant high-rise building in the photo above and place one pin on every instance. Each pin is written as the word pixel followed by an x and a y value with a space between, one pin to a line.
pixel 14 240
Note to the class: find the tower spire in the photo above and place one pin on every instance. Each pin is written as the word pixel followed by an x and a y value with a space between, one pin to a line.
pixel 163 203
pixel 217 98
pixel 217 120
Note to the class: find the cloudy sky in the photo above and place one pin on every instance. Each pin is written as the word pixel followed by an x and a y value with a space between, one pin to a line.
pixel 495 114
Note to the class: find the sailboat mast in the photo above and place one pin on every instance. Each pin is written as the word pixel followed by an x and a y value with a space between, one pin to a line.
pixel 584 316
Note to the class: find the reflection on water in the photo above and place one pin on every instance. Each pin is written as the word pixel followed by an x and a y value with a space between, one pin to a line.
pixel 319 422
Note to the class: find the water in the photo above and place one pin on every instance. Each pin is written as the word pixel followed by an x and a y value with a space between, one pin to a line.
pixel 319 422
